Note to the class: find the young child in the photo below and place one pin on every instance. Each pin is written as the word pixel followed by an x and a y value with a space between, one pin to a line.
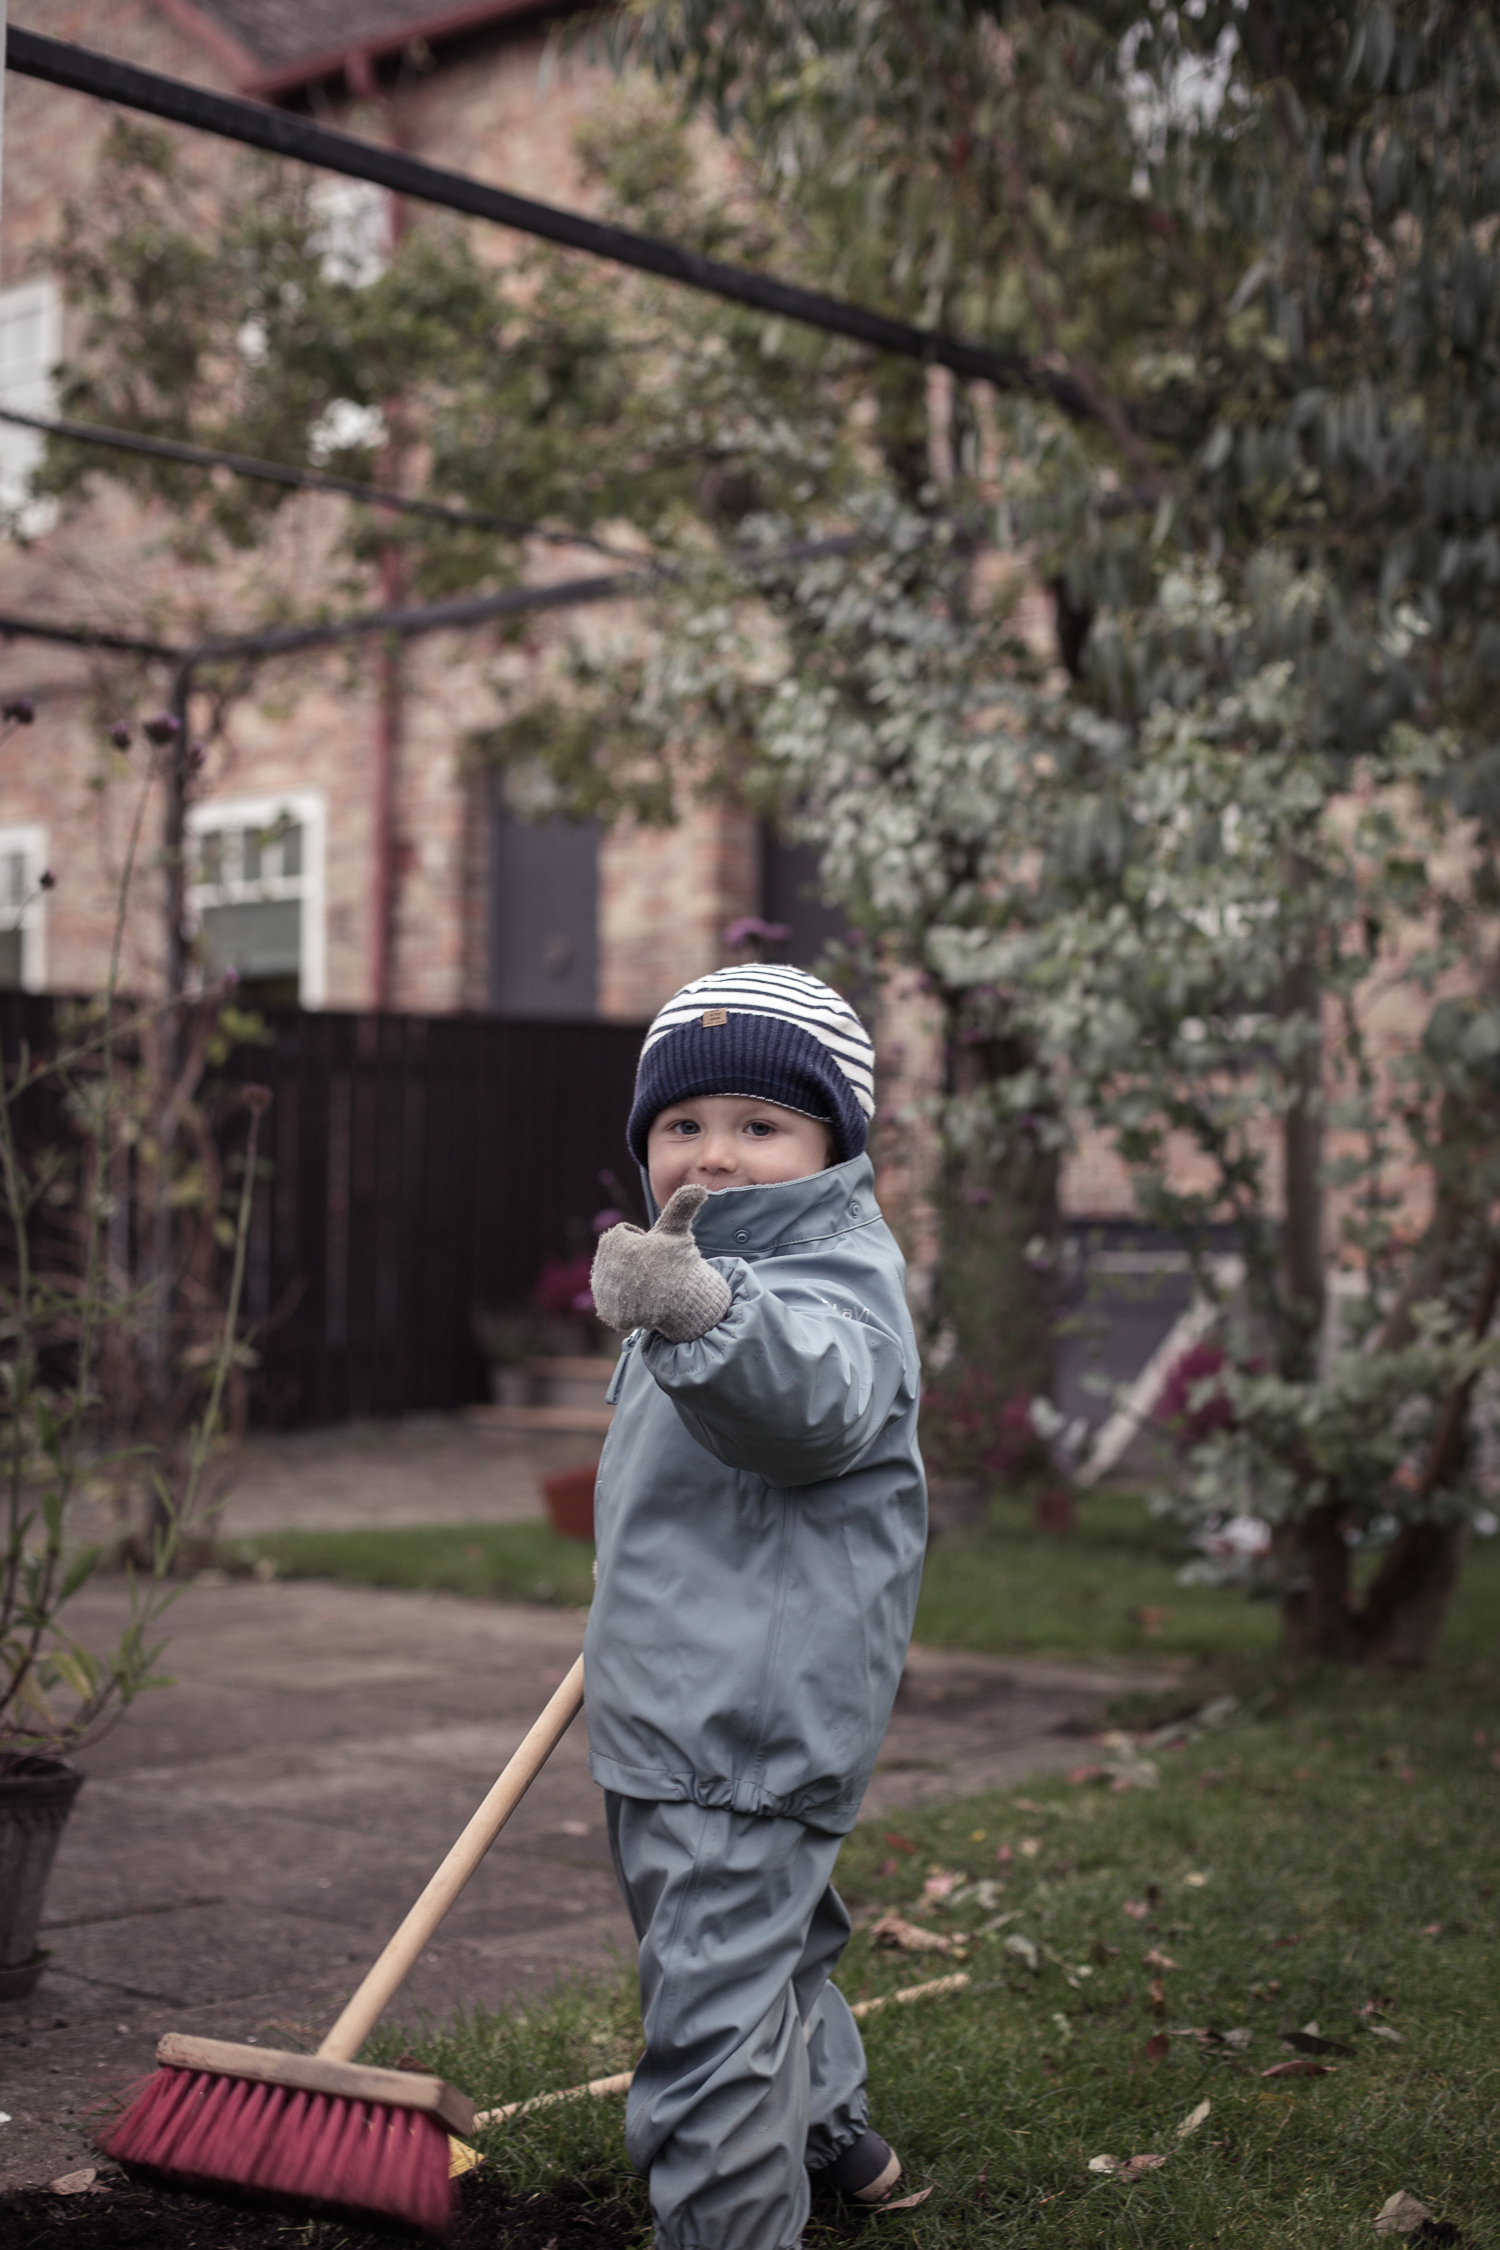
pixel 761 1519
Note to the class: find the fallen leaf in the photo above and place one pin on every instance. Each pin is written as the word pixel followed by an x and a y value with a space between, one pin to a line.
pixel 1401 2214
pixel 905 2202
pixel 1195 1882
pixel 898 1843
pixel 1193 2120
pixel 1433 1929
pixel 1024 1804
pixel 1383 2031
pixel 1137 2164
pixel 1003 1855
pixel 1134 1908
pixel 1241 2036
pixel 1153 1896
pixel 939 1884
pixel 1298 2069
pixel 1104 2164
pixel 1309 2043
pixel 1156 1959
pixel 1279 1944
pixel 1103 1953
pixel 1031 1847
pixel 894 1930
pixel 1081 1774
pixel 1157 1992
pixel 887 1868
pixel 1023 1950
pixel 76 2183
pixel 1156 2050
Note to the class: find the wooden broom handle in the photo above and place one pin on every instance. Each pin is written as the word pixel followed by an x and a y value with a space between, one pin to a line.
pixel 396 1963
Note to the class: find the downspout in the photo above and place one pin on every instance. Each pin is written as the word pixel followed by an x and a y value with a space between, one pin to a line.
pixel 359 74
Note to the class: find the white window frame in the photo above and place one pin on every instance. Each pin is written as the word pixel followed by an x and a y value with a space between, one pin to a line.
pixel 308 808
pixel 30 392
pixel 30 841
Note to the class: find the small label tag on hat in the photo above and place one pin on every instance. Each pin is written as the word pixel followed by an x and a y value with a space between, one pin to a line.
pixel 713 1017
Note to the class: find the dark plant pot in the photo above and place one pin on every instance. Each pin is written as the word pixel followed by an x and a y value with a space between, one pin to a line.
pixel 36 1796
pixel 1055 1512
pixel 570 1502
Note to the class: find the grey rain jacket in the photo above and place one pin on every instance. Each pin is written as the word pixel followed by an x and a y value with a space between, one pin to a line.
pixel 761 1516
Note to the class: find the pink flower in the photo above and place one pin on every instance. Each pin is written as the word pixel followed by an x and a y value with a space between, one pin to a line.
pixel 751 930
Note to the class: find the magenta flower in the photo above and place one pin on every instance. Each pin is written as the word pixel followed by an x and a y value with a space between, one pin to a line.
pixel 751 930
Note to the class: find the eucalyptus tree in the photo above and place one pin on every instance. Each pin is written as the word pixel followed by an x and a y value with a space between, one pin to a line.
pixel 1244 255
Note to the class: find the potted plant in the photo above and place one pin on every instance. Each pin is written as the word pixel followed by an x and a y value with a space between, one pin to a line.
pixel 69 1307
pixel 509 1341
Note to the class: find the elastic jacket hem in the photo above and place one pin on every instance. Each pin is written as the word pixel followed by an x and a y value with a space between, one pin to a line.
pixel 815 1808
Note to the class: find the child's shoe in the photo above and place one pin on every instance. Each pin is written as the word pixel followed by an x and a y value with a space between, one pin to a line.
pixel 867 2170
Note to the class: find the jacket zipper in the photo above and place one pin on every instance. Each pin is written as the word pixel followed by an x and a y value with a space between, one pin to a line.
pixel 613 1392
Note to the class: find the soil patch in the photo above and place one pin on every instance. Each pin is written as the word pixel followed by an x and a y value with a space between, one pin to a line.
pixel 136 2214
pixel 128 2212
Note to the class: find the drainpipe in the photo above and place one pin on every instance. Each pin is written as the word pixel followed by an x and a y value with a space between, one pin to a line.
pixel 359 76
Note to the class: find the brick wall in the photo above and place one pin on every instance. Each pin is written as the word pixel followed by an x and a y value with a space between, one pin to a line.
pixel 312 723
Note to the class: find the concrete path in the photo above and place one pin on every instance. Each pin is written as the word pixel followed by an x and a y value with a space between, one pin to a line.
pixel 248 1838
pixel 434 1468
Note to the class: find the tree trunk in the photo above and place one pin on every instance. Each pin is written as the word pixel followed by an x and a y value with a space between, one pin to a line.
pixel 997 1287
pixel 1317 1622
pixel 1404 1609
pixel 1303 1280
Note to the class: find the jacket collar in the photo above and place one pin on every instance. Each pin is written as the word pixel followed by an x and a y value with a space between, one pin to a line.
pixel 747 1222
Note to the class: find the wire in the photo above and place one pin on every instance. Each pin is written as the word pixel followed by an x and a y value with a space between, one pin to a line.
pixel 83 71
pixel 423 617
pixel 310 480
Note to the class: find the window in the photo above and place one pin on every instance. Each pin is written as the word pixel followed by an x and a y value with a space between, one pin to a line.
pixel 23 909
pixel 255 889
pixel 30 341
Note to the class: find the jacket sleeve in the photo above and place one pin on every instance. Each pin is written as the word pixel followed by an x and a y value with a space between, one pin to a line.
pixel 791 1388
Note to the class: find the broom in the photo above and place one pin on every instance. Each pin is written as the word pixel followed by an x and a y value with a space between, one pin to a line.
pixel 323 2129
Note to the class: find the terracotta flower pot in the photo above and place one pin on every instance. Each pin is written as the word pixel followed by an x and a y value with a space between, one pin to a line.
pixel 36 1796
pixel 570 1502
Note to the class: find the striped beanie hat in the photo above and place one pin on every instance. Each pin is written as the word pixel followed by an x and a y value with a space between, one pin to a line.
pixel 770 1033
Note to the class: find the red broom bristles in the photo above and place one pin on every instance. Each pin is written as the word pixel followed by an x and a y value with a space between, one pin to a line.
pixel 368 2159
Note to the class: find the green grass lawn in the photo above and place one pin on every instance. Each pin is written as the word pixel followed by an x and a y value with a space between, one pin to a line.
pixel 503 1562
pixel 1109 1590
pixel 1331 1858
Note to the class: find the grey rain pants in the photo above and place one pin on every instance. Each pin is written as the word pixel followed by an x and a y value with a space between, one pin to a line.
pixel 754 2071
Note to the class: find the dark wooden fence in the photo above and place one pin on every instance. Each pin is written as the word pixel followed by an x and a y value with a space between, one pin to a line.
pixel 420 1167
pixel 417 1168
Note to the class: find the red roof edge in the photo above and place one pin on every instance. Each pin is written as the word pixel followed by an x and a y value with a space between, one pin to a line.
pixel 290 79
pixel 236 59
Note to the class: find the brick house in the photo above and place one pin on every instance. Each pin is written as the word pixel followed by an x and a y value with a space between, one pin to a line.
pixel 347 854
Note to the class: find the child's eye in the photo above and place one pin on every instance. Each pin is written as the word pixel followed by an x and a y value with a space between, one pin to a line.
pixel 685 1126
pixel 761 1128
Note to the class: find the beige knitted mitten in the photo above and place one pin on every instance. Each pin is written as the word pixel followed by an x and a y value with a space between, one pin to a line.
pixel 660 1280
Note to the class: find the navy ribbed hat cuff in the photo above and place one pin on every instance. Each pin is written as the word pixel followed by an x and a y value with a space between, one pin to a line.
pixel 759 1058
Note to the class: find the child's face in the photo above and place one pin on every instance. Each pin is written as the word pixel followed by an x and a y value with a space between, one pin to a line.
pixel 728 1140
